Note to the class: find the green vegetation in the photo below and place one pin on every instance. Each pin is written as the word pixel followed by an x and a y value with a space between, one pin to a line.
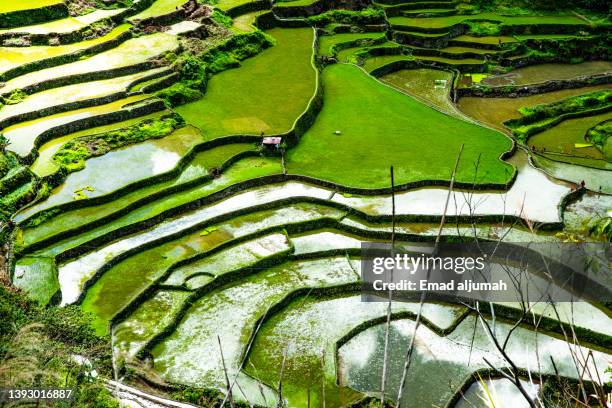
pixel 509 20
pixel 18 186
pixel 574 104
pixel 366 16
pixel 16 96
pixel 221 18
pixel 254 98
pixel 600 137
pixel 38 348
pixel 73 154
pixel 330 44
pixel 160 123
pixel 540 117
pixel 195 71
pixel 601 228
pixel 380 127
pixel 483 28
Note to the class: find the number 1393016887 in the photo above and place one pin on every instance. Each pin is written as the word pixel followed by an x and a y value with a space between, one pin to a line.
pixel 34 394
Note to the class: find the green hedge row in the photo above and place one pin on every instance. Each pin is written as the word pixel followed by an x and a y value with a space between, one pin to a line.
pixel 33 16
pixel 286 10
pixel 63 59
pixel 75 105
pixel 524 134
pixel 257 5
pixel 516 91
pixel 68 37
pixel 577 103
pixel 423 41
pixel 361 17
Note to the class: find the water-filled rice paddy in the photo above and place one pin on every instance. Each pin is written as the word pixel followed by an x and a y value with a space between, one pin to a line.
pixel 439 22
pixel 595 179
pixel 39 102
pixel 566 142
pixel 171 242
pixel 207 236
pixel 131 52
pixel 159 8
pixel 545 72
pixel 255 99
pixel 495 111
pixel 244 301
pixel 154 157
pixel 25 5
pixel 12 57
pixel 353 101
pixel 326 42
pixel 360 360
pixel 243 170
pixel 66 25
pixel 500 391
pixel 44 165
pixel 428 85
pixel 306 332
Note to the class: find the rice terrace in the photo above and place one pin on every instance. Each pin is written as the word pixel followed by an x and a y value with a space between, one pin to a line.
pixel 186 187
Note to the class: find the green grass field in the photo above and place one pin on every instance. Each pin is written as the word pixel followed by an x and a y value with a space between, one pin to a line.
pixel 381 127
pixel 266 94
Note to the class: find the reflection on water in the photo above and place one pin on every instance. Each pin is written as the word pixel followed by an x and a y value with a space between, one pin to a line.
pixel 498 392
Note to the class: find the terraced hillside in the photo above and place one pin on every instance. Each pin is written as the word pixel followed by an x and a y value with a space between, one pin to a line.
pixel 199 177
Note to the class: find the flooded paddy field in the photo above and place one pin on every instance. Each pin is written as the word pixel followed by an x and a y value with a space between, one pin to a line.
pixel 195 182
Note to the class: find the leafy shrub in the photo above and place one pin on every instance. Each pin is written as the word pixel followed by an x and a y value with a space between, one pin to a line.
pixel 572 104
pixel 483 28
pixel 599 134
pixel 601 228
pixel 360 17
pixel 221 19
pixel 180 93
pixel 15 97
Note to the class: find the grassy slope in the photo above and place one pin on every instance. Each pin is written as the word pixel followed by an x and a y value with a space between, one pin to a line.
pixel 266 94
pixel 382 127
